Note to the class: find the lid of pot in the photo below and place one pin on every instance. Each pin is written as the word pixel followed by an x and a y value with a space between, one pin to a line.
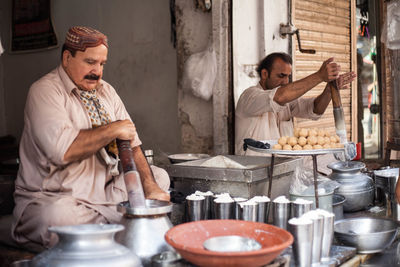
pixel 153 207
pixel 387 173
pixel 346 166
pixel 358 183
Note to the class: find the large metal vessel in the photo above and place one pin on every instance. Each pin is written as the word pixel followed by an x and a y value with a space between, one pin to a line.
pixel 357 187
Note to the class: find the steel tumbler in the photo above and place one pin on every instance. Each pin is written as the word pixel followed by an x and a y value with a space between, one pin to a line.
pixel 302 231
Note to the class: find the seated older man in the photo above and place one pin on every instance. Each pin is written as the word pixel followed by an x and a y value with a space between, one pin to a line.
pixel 69 162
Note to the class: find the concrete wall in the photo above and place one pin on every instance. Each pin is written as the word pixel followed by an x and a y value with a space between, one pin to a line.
pixel 142 64
pixel 194 30
pixel 254 37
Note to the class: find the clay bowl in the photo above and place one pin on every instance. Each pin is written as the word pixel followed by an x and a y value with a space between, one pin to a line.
pixel 188 239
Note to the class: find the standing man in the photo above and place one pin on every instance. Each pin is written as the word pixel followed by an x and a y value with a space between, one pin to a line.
pixel 69 165
pixel 266 111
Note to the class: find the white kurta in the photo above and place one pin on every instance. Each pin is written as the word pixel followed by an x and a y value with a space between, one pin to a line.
pixel 259 117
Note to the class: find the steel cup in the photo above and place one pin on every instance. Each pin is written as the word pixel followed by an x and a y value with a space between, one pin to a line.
pixel 318 227
pixel 238 200
pixel 248 211
pixel 195 209
pixel 263 206
pixel 303 240
pixel 281 212
pixel 209 197
pixel 297 209
pixel 327 238
pixel 224 210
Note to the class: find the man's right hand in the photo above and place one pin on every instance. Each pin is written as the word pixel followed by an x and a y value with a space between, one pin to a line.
pixel 125 129
pixel 329 70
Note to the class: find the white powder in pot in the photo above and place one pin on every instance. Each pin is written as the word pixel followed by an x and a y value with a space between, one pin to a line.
pixel 239 199
pixel 224 199
pixel 325 213
pixel 312 215
pixel 195 197
pixel 208 193
pixel 222 195
pixel 302 201
pixel 281 199
pixel 300 221
pixel 248 203
pixel 261 199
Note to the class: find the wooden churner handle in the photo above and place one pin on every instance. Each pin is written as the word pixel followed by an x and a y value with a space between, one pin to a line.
pixel 336 100
pixel 125 155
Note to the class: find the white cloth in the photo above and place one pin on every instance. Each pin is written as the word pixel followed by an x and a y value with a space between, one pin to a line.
pixel 259 117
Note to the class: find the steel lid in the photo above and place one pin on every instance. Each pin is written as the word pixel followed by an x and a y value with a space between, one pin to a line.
pixel 153 207
pixel 346 166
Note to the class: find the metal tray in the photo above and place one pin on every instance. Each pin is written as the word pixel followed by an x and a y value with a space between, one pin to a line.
pixel 295 152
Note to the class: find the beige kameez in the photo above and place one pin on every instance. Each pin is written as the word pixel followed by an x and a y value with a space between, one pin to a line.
pixel 50 191
pixel 259 117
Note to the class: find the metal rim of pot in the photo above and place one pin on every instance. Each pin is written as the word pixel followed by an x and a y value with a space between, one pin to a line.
pixel 153 207
pixel 346 166
pixel 341 199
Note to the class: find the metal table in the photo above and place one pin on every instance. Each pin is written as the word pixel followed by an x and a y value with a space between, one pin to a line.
pixel 312 153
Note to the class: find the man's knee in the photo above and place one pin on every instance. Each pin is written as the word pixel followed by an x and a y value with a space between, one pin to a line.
pixel 161 176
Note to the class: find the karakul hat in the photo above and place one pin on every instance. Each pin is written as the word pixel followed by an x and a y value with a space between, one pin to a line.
pixel 80 38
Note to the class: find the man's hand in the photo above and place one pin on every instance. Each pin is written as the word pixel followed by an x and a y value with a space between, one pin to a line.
pixel 156 193
pixel 329 70
pixel 345 79
pixel 126 130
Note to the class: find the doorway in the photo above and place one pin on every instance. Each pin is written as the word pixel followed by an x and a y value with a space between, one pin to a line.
pixel 369 87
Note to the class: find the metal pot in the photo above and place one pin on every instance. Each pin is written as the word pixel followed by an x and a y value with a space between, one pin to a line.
pixel 86 245
pixel 357 187
pixel 337 206
pixel 145 228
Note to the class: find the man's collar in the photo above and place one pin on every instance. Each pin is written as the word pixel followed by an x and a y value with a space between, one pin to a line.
pixel 69 85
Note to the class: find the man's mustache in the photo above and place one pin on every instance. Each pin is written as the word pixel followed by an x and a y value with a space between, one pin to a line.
pixel 93 77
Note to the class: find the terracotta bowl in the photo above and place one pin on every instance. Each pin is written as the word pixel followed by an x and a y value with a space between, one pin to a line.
pixel 188 239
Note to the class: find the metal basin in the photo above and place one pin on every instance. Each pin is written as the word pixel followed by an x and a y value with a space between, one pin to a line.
pixel 231 243
pixel 367 235
pixel 179 158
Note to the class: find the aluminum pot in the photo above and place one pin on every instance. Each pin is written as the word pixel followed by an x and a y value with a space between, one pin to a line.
pixel 357 187
pixel 86 245
pixel 145 228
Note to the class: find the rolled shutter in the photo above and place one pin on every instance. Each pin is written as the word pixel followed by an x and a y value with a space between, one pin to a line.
pixel 324 26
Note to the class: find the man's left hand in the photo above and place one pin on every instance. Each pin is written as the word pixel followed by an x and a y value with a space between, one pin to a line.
pixel 345 79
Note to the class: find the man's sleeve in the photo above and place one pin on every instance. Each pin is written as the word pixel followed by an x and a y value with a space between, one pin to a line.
pixel 255 102
pixel 52 129
pixel 304 108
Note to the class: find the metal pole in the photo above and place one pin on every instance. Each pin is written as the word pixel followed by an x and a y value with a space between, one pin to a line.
pixel 315 169
pixel 271 171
